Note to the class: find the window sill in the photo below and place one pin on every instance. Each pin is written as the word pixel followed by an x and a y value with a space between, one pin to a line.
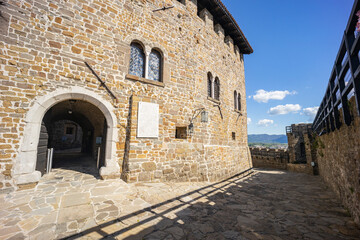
pixel 213 100
pixel 144 80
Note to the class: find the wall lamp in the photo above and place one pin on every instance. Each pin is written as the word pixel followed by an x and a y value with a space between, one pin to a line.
pixel 71 103
pixel 204 116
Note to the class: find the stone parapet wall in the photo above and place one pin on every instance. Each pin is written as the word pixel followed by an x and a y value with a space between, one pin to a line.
pixel 338 159
pixel 269 158
pixel 277 159
pixel 43 47
pixel 300 168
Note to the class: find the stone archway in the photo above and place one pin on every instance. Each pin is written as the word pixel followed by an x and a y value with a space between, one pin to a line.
pixel 24 168
pixel 76 131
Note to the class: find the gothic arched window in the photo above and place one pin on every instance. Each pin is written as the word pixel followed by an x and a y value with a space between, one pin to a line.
pixel 210 86
pixel 217 89
pixel 239 102
pixel 154 66
pixel 137 60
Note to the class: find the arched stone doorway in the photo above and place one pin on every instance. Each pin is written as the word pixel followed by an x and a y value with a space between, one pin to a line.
pixel 75 130
pixel 25 170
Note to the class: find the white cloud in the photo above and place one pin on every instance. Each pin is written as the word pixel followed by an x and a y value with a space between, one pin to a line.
pixel 265 122
pixel 310 112
pixel 248 120
pixel 264 96
pixel 284 109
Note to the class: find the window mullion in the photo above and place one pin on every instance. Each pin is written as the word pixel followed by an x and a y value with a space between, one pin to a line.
pixel 147 54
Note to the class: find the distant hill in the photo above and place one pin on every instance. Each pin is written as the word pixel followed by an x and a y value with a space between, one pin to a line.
pixel 265 138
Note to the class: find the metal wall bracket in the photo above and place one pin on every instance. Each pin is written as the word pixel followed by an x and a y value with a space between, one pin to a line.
pixel 101 81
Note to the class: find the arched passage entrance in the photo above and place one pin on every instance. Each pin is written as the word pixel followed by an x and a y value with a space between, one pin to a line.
pixel 24 170
pixel 75 130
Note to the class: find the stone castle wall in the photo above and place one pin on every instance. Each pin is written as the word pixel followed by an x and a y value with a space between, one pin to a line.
pixel 278 159
pixel 269 158
pixel 43 46
pixel 338 159
pixel 299 147
pixel 298 142
pixel 65 140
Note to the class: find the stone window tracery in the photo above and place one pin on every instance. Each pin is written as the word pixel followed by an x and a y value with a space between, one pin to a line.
pixel 237 101
pixel 137 60
pixel 154 66
pixel 148 65
pixel 213 87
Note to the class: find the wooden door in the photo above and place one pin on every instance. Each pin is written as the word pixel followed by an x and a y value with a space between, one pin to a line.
pixel 41 161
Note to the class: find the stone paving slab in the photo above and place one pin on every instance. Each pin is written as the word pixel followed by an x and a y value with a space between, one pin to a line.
pixel 265 204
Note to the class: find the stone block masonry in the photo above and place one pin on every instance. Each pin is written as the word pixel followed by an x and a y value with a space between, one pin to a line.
pixel 269 158
pixel 298 156
pixel 338 158
pixel 43 47
pixel 277 159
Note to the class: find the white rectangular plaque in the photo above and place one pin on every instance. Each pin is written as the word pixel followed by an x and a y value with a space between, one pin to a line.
pixel 148 120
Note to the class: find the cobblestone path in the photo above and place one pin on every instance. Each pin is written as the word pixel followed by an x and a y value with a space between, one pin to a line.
pixel 262 205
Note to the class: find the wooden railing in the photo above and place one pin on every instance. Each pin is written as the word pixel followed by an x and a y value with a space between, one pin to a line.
pixel 344 81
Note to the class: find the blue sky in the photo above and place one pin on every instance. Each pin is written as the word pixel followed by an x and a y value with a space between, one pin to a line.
pixel 295 45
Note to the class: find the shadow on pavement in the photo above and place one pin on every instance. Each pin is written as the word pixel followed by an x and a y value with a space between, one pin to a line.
pixel 260 205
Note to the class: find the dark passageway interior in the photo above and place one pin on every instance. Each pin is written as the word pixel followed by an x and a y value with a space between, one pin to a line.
pixel 76 131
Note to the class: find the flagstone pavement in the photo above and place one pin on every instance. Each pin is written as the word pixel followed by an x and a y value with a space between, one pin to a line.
pixel 258 204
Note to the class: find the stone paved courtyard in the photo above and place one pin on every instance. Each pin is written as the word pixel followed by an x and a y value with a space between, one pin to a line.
pixel 261 204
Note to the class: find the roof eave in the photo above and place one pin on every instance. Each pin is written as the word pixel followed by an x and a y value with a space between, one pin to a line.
pixel 248 49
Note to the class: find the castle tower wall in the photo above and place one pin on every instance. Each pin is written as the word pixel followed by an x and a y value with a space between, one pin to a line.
pixel 43 49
